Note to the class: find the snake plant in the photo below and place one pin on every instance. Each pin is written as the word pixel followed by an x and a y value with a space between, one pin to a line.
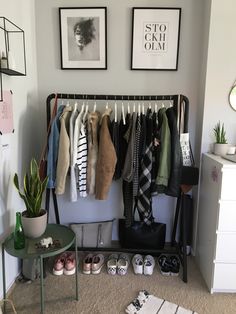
pixel 220 134
pixel 33 190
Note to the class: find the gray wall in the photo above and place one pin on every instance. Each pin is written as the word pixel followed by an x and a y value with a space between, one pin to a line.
pixel 118 79
pixel 22 145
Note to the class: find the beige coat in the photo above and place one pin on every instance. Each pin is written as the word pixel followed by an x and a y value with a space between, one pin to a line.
pixel 63 161
pixel 93 121
pixel 106 159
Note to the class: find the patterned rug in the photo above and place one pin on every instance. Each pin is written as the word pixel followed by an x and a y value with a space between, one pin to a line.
pixel 146 303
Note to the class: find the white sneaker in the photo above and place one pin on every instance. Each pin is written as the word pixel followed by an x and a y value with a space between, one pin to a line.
pixel 149 264
pixel 137 262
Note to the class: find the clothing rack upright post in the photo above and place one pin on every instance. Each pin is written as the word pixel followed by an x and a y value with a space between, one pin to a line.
pixel 182 252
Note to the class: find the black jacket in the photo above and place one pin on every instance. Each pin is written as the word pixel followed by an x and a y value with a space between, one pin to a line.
pixel 176 156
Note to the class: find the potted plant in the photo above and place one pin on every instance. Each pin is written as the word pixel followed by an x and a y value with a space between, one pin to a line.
pixel 34 218
pixel 220 145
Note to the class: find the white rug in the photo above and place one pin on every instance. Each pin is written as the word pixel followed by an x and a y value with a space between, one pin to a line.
pixel 146 303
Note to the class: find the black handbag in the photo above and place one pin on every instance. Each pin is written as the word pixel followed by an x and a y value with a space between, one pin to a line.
pixel 142 236
pixel 190 173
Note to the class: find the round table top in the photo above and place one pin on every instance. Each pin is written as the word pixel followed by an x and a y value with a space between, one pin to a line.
pixel 62 235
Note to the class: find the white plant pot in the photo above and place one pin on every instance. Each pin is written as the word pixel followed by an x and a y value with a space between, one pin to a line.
pixel 221 149
pixel 34 227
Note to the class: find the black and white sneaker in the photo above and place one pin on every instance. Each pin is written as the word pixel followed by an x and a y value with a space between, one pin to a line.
pixel 175 265
pixel 164 265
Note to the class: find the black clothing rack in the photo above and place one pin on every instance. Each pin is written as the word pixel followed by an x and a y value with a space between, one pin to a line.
pixel 176 247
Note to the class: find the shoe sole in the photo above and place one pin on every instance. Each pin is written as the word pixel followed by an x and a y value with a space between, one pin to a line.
pixel 96 272
pixel 165 274
pixel 87 272
pixel 57 272
pixel 69 272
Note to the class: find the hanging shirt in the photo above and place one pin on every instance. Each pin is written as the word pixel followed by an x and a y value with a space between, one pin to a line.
pixel 73 189
pixel 144 203
pixel 128 170
pixel 82 154
pixel 93 121
pixel 106 159
pixel 63 152
pixel 53 143
pixel 165 152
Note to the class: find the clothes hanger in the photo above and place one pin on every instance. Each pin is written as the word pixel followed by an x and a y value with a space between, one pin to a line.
pixel 75 107
pixel 150 104
pixel 107 106
pixel 123 112
pixel 134 107
pixel 139 109
pixel 115 112
pixel 128 107
pixel 95 106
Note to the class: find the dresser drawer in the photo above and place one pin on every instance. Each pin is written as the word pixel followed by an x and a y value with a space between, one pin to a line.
pixel 228 190
pixel 224 277
pixel 225 247
pixel 227 216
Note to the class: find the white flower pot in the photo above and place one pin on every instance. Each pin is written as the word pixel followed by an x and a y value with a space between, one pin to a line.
pixel 221 149
pixel 34 227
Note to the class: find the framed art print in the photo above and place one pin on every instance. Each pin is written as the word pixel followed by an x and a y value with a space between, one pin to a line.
pixel 155 38
pixel 83 33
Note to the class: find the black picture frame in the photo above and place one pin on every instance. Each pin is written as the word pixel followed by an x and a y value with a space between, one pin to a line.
pixel 155 38
pixel 83 38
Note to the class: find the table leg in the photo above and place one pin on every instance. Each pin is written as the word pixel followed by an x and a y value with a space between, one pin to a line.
pixel 3 278
pixel 41 284
pixel 76 270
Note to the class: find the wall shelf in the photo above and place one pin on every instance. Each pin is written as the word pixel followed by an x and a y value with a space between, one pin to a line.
pixel 12 47
pixel 12 50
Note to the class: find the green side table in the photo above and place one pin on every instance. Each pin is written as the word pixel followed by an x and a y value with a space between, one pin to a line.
pixel 66 239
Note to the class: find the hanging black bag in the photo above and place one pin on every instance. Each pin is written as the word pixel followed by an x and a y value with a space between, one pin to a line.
pixel 142 236
pixel 190 173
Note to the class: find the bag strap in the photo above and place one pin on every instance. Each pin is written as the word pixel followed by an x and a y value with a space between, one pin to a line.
pixel 54 111
pixel 82 236
pixel 99 235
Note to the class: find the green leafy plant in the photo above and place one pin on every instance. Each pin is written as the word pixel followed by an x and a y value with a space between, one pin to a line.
pixel 220 133
pixel 33 190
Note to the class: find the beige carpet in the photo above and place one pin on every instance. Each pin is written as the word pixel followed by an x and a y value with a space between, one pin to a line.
pixel 105 294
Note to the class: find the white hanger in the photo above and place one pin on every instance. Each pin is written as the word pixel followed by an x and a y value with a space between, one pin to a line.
pixel 95 106
pixel 139 109
pixel 75 106
pixel 134 107
pixel 171 105
pixel 128 108
pixel 82 108
pixel 143 109
pixel 155 107
pixel 123 112
pixel 107 105
pixel 115 112
pixel 162 105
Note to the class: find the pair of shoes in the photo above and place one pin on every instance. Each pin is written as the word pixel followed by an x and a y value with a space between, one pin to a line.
pixel 169 265
pixel 118 265
pixel 65 264
pixel 143 266
pixel 93 264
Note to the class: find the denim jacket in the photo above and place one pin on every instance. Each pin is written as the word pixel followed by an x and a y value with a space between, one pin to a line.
pixel 53 143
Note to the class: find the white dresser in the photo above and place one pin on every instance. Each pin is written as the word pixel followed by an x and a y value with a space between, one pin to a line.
pixel 216 239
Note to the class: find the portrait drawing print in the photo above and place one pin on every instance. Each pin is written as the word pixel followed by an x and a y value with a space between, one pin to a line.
pixel 83 38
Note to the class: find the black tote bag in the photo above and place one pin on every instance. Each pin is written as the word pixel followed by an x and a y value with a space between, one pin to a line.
pixel 142 236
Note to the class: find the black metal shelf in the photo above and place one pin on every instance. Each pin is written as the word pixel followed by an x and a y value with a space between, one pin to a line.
pixel 11 72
